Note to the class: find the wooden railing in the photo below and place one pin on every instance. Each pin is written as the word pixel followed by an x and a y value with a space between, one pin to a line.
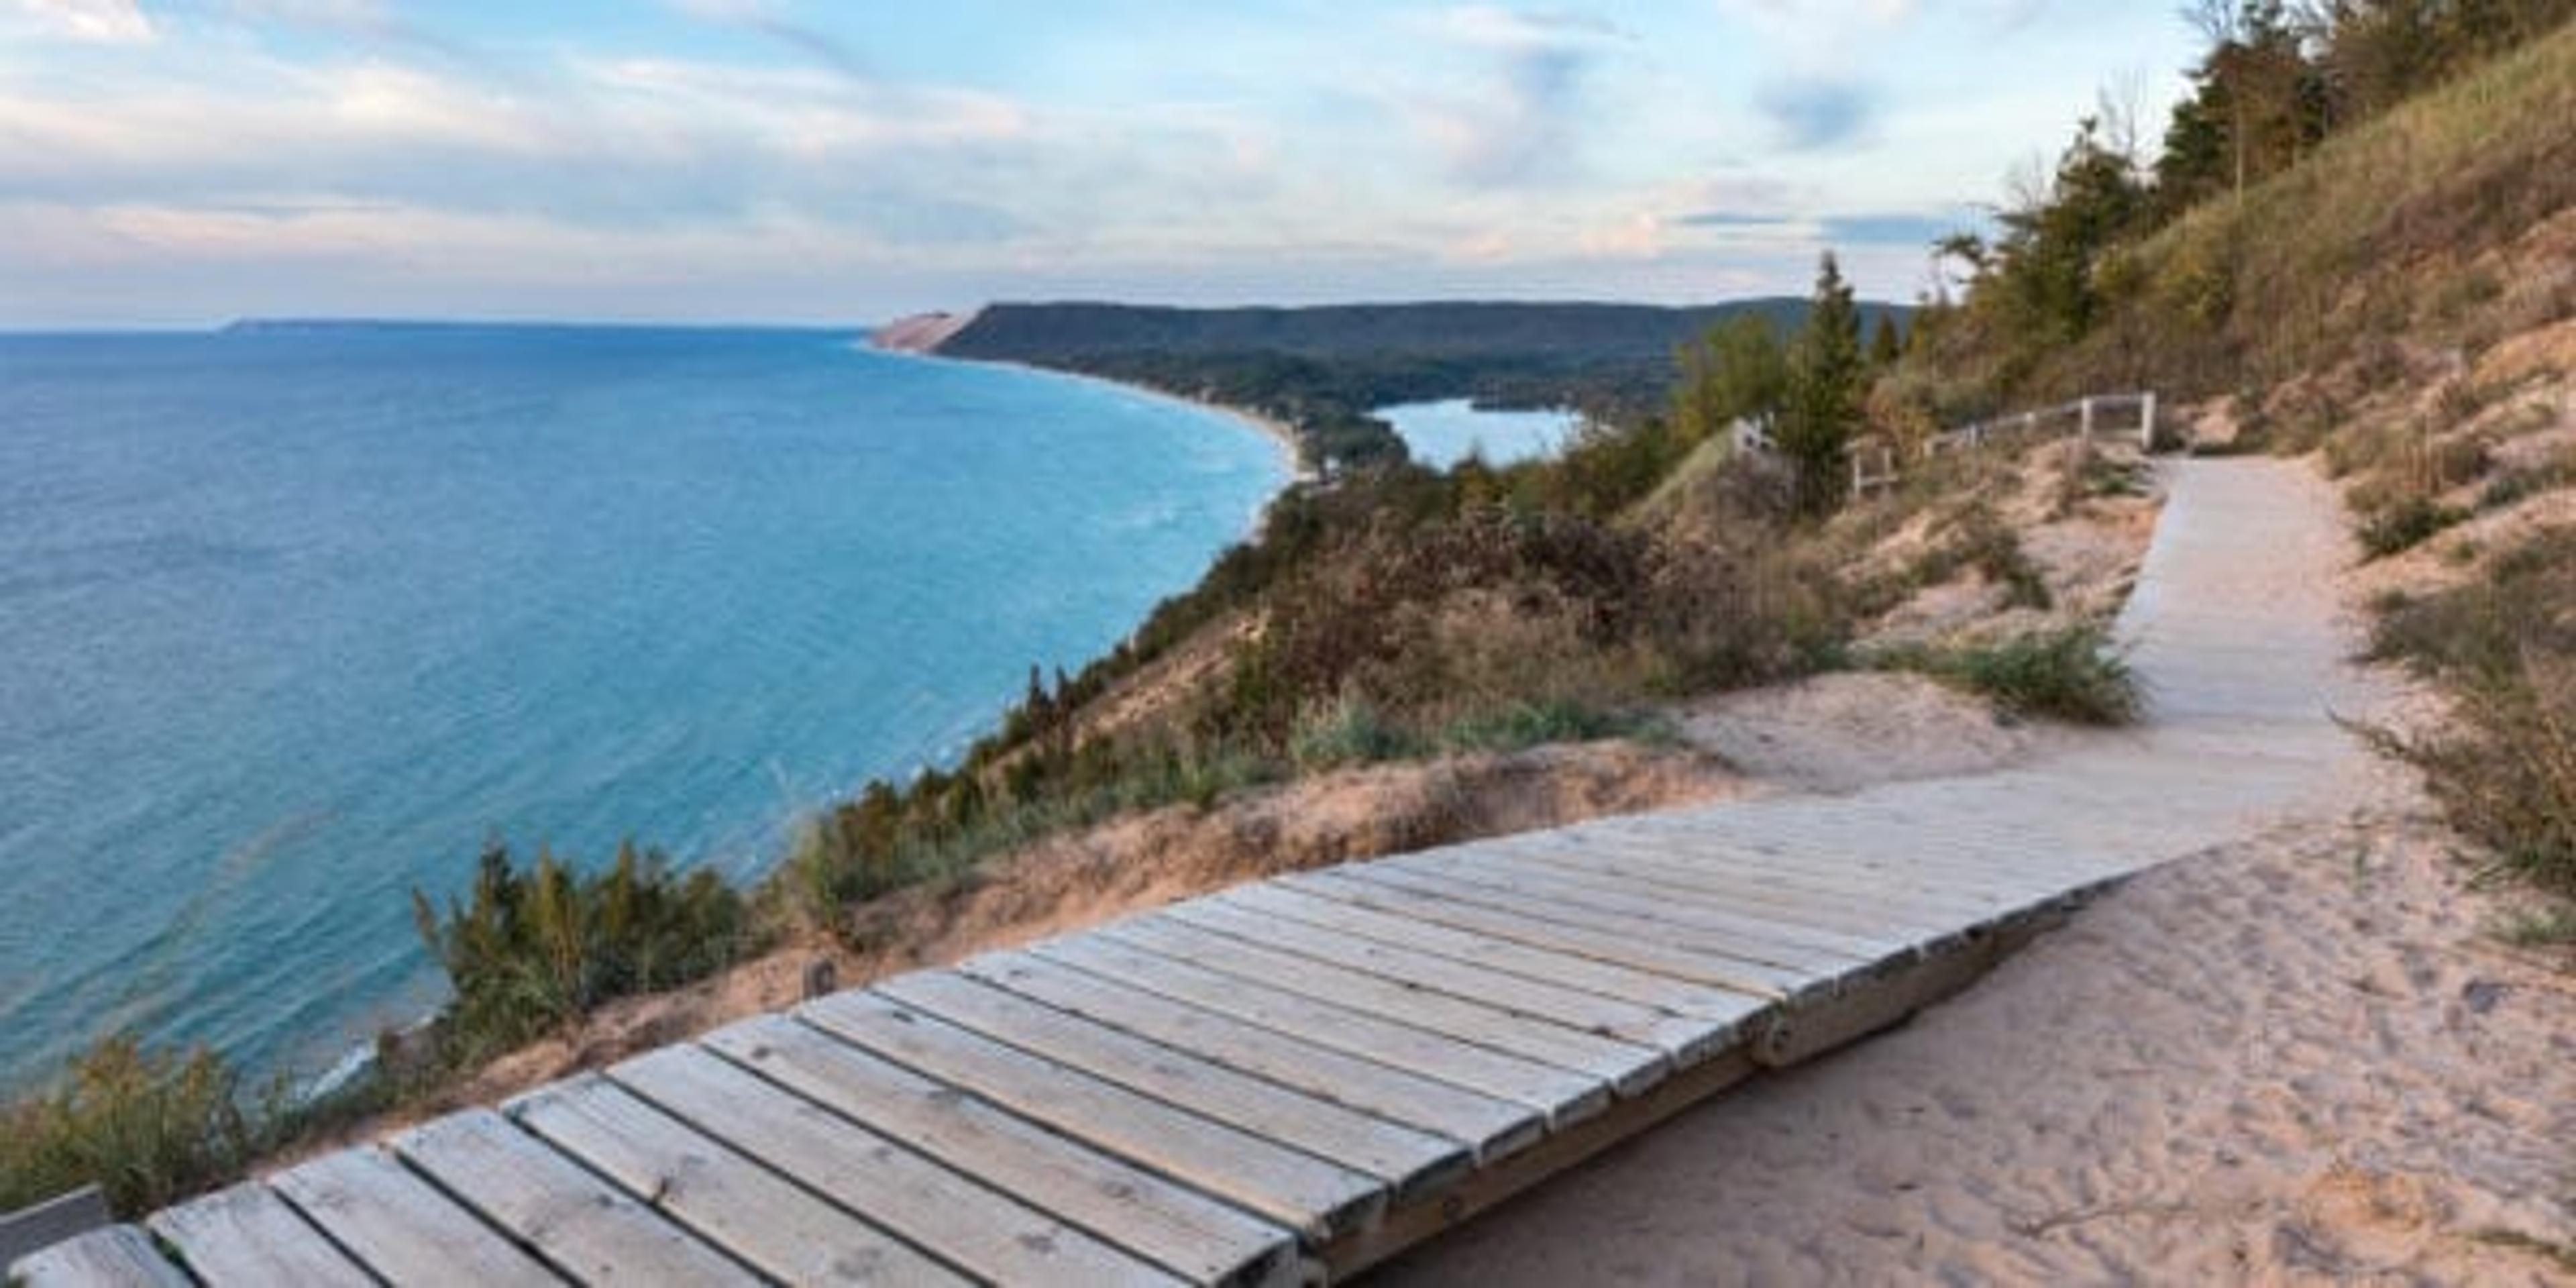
pixel 1877 463
pixel 52 1221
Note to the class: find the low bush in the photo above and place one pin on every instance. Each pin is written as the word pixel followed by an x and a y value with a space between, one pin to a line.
pixel 532 949
pixel 2405 523
pixel 1346 731
pixel 2504 648
pixel 1977 540
pixel 2071 674
pixel 2515 486
pixel 148 1126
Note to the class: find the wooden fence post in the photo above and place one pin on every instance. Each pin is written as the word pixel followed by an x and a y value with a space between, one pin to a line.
pixel 2147 421
pixel 2084 414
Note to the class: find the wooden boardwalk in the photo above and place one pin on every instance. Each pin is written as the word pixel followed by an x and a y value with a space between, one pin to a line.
pixel 1292 1080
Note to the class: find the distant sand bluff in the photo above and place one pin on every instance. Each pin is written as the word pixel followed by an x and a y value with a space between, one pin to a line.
pixel 924 332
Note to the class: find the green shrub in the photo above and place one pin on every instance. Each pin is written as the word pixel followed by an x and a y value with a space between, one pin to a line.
pixel 2506 773
pixel 2505 650
pixel 531 950
pixel 2069 674
pixel 2517 485
pixel 1518 725
pixel 1981 541
pixel 2404 524
pixel 945 824
pixel 1345 731
pixel 149 1126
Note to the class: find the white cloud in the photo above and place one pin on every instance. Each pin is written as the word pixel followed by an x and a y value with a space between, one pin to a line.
pixel 105 21
pixel 1636 236
pixel 339 15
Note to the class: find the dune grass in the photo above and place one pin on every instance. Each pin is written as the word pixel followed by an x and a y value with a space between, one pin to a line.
pixel 2503 647
pixel 2072 674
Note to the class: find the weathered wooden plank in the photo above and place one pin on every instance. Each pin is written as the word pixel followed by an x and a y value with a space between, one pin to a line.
pixel 1560 1095
pixel 1874 914
pixel 727 1197
pixel 1810 918
pixel 1518 882
pixel 1950 822
pixel 1862 902
pixel 1926 892
pixel 1490 1125
pixel 2001 866
pixel 1982 869
pixel 956 1217
pixel 1641 988
pixel 1815 947
pixel 1441 996
pixel 401 1227
pixel 1683 1039
pixel 1629 1066
pixel 1301 1191
pixel 1937 911
pixel 119 1256
pixel 1170 1224
pixel 1405 1157
pixel 247 1235
pixel 1807 967
pixel 1628 947
pixel 590 1231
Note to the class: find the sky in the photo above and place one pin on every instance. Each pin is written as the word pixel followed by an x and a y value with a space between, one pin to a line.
pixel 184 162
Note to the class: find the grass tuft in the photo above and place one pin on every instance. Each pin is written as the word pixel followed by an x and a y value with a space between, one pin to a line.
pixel 148 1126
pixel 2071 674
pixel 2406 523
pixel 2504 647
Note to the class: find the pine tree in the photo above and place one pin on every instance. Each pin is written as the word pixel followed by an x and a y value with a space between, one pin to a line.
pixel 1884 347
pixel 1825 388
pixel 1736 371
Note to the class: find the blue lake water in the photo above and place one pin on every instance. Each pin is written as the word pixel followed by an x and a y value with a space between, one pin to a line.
pixel 1441 434
pixel 292 621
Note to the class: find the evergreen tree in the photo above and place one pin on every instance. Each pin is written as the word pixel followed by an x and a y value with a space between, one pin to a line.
pixel 1825 388
pixel 2046 257
pixel 1737 371
pixel 1884 347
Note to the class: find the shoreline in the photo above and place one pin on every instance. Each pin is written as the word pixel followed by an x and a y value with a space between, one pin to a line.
pixel 1280 433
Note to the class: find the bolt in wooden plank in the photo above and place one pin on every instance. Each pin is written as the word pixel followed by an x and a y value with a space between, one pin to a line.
pixel 247 1235
pixel 726 1196
pixel 591 1231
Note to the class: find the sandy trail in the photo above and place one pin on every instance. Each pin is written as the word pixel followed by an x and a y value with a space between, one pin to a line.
pixel 2293 1057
